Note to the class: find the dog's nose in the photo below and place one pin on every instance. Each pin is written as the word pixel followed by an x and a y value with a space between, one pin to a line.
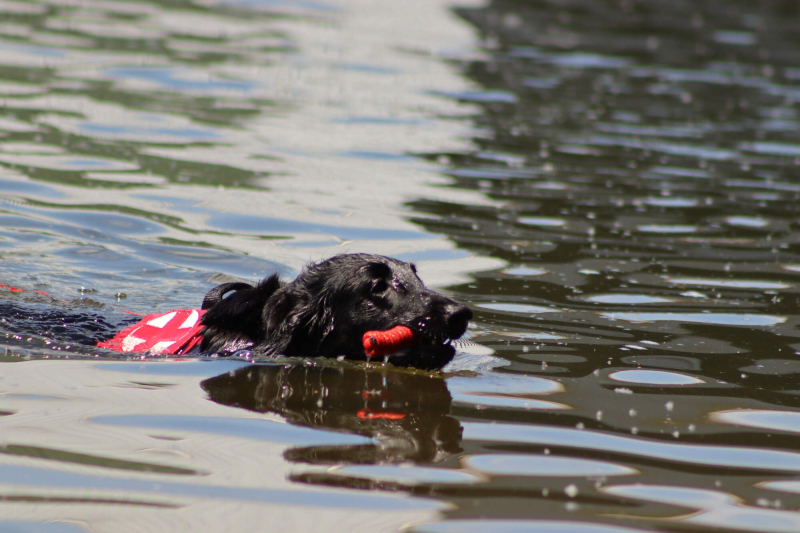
pixel 458 317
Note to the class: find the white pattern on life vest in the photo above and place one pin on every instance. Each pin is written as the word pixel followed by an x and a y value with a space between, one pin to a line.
pixel 130 343
pixel 162 321
pixel 191 320
pixel 161 346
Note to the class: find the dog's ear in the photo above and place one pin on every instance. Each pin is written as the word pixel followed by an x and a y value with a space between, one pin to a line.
pixel 296 323
pixel 378 270
pixel 277 315
pixel 240 313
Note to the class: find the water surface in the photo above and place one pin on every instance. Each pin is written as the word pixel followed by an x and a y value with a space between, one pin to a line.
pixel 611 188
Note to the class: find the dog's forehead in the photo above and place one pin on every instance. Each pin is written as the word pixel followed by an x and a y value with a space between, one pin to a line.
pixel 404 271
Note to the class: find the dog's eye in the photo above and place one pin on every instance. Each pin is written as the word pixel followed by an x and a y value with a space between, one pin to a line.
pixel 380 286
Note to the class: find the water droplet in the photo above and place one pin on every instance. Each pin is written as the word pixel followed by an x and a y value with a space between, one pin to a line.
pixel 571 490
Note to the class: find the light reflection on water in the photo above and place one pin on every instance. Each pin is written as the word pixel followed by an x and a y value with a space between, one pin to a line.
pixel 612 189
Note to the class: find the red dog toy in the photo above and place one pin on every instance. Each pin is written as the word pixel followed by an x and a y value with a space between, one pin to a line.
pixel 377 343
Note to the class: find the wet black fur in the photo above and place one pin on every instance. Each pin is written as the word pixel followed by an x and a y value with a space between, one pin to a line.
pixel 326 310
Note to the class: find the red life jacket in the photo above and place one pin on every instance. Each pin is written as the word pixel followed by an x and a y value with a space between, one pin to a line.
pixel 172 333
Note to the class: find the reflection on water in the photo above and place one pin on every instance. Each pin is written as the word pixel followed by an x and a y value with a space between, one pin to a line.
pixel 405 412
pixel 644 168
pixel 611 187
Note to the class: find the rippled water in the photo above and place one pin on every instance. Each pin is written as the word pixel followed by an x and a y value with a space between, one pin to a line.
pixel 612 188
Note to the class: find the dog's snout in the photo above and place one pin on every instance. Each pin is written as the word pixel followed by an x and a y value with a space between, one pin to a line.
pixel 458 317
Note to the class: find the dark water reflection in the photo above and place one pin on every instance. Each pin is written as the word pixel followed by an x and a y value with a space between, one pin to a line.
pixel 643 157
pixel 405 412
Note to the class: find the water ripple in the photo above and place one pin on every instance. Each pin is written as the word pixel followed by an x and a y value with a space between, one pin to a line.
pixel 695 454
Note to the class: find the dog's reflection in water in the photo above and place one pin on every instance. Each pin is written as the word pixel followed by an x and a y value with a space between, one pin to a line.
pixel 405 412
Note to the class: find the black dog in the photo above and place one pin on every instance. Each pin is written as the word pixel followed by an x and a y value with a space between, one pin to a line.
pixel 328 308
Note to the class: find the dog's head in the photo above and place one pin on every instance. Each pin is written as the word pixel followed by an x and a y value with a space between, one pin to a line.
pixel 331 304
